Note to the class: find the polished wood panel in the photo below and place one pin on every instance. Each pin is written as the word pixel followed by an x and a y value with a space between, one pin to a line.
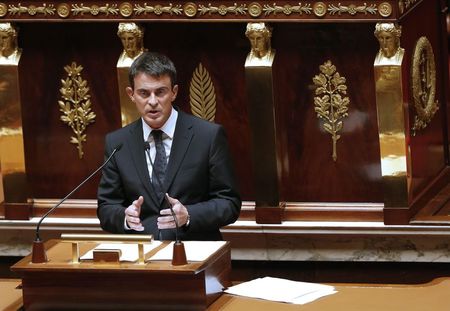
pixel 427 147
pixel 309 172
pixel 303 43
pixel 53 165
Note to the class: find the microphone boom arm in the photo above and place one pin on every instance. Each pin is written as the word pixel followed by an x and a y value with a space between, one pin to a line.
pixel 68 195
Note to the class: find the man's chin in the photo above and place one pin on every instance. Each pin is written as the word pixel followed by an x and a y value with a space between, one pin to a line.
pixel 154 123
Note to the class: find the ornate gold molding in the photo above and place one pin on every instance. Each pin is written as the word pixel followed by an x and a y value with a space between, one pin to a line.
pixel 158 9
pixel 223 9
pixel 331 106
pixel 107 9
pixel 423 84
pixel 287 9
pixel 239 9
pixel 76 105
pixel 202 94
pixel 352 9
pixel 45 9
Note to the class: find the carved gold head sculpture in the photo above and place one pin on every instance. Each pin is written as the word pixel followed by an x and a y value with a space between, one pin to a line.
pixel 132 37
pixel 259 35
pixel 8 39
pixel 388 35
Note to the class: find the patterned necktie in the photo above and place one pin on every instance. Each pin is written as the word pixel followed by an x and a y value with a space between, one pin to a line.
pixel 159 166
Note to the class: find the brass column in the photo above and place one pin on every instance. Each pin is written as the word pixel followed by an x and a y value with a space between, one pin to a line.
pixel 13 185
pixel 259 84
pixel 132 37
pixel 392 124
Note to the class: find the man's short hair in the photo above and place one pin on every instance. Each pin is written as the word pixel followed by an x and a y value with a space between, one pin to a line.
pixel 153 64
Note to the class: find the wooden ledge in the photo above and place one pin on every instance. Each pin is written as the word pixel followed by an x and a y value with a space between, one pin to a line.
pixel 344 228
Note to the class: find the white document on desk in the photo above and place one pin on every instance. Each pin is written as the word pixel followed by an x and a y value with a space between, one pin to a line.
pixel 281 290
pixel 129 251
pixel 195 250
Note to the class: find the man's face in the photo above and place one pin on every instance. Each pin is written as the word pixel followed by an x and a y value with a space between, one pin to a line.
pixel 5 43
pixel 130 44
pixel 388 43
pixel 153 97
pixel 258 43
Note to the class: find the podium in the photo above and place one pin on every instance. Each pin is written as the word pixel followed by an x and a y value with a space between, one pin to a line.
pixel 60 284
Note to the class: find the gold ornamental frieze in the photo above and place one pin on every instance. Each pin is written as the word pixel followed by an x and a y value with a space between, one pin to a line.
pixel 158 9
pixel 330 105
pixel 352 9
pixel 76 105
pixel 288 9
pixel 423 84
pixel 212 10
pixel 32 10
pixel 223 9
pixel 107 9
pixel 202 94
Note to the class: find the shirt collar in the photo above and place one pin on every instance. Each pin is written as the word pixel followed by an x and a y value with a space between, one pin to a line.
pixel 168 128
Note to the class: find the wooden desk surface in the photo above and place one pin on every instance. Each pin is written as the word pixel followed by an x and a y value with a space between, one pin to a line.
pixel 60 284
pixel 10 296
pixel 59 258
pixel 358 297
pixel 349 297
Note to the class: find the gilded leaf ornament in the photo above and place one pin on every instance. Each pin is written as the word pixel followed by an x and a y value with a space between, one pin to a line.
pixel 202 94
pixel 352 9
pixel 223 9
pixel 158 9
pixel 32 9
pixel 107 9
pixel 423 84
pixel 330 105
pixel 76 105
pixel 287 9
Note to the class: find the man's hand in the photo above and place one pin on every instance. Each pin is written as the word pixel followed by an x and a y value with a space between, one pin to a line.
pixel 166 221
pixel 132 215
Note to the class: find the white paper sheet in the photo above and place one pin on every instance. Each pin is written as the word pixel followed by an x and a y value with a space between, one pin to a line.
pixel 281 290
pixel 195 250
pixel 129 250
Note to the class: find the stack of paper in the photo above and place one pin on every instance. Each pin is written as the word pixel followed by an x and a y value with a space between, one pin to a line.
pixel 129 250
pixel 282 290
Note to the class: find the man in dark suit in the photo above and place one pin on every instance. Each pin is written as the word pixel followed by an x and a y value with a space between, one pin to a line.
pixel 188 159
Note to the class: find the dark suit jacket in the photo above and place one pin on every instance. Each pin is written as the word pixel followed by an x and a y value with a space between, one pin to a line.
pixel 199 174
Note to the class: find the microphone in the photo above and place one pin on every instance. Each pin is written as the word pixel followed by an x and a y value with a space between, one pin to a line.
pixel 179 253
pixel 38 252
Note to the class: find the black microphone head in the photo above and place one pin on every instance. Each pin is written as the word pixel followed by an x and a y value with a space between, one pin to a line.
pixel 118 146
pixel 146 145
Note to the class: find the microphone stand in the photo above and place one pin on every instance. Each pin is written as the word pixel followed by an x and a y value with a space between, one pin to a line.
pixel 179 253
pixel 38 252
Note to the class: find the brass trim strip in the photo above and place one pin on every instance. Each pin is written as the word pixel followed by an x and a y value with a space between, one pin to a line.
pixel 190 10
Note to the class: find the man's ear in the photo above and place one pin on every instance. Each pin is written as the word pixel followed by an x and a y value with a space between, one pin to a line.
pixel 130 92
pixel 175 92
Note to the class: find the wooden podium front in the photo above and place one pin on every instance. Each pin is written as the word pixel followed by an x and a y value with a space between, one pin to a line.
pixel 60 284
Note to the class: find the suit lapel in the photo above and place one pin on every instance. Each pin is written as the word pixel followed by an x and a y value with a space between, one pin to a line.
pixel 136 144
pixel 181 140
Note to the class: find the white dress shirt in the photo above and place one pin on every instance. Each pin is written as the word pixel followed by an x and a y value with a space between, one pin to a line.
pixel 167 138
